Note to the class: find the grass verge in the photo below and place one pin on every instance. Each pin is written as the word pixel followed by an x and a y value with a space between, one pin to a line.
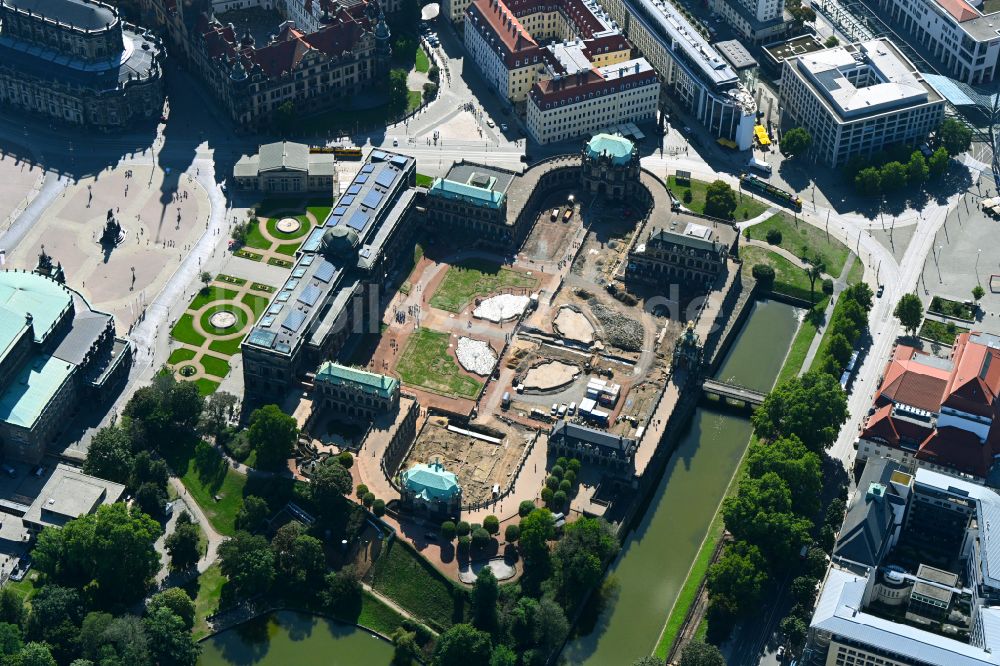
pixel 421 63
pixel 206 599
pixel 800 346
pixel 406 578
pixel 789 279
pixel 803 240
pixel 424 180
pixel 206 387
pixel 746 207
pixel 207 477
pixel 426 363
pixel 256 303
pixel 209 294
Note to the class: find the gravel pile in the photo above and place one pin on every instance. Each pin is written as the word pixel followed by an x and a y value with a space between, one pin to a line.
pixel 476 356
pixel 501 308
pixel 619 330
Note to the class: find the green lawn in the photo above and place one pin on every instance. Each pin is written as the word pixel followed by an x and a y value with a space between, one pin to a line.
pixel 413 99
pixel 226 347
pixel 207 476
pixel 800 347
pixel 788 278
pixel 209 294
pixel 374 615
pixel 410 581
pixel 206 601
pixel 256 239
pixel 26 586
pixel 256 303
pixel 206 387
pixel 319 212
pixel 288 249
pixel 804 240
pixel 247 254
pixel 857 272
pixel 258 286
pixel 426 363
pixel 422 63
pixel 951 308
pixel 424 180
pixel 241 319
pixel 943 333
pixel 214 366
pixel 181 355
pixel 464 282
pixel 281 263
pixel 183 331
pixel 745 208
pixel 305 226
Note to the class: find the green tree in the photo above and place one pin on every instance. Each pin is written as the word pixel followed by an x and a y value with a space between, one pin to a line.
pixel 579 558
pixel 794 629
pixel 649 660
pixel 34 654
pixel 272 435
pixel 361 491
pixel 917 171
pixel 253 514
pixel 177 601
pixel 831 42
pixel 525 507
pixel 868 181
pixel 12 608
pixel 537 529
pixel 698 653
pixel 796 141
pixel 720 200
pixel 550 625
pixel 893 176
pixel 56 613
pixel 205 277
pixel 503 656
pixel 248 562
pixel 463 528
pixel 342 589
pixel 803 590
pixel 938 163
pixel 430 91
pixel 151 499
pixel 347 461
pixel 511 533
pixel 977 293
pixel 285 116
pixel 840 349
pixel 790 459
pixel 170 641
pixel 814 271
pixel 739 576
pixel 219 411
pixel 485 594
pixel 910 312
pixel 448 531
pixel 126 637
pixel 110 551
pixel 329 484
pixel 378 507
pixel 10 640
pixel 480 538
pixel 491 524
pixel 811 407
pixel 954 136
pixel 110 455
pixel 182 546
pixel 398 92
pixel 405 647
pixel 462 645
pixel 763 273
pixel 762 513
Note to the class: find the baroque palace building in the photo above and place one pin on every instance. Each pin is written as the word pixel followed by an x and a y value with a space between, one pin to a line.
pixel 79 62
pixel 317 65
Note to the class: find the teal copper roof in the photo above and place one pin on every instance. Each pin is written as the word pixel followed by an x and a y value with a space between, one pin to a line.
pixel 24 399
pixel 23 293
pixel 431 482
pixel 340 375
pixel 615 146
pixel 451 189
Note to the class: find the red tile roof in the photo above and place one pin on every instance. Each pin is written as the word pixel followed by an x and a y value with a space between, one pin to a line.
pixel 587 84
pixel 959 449
pixel 959 9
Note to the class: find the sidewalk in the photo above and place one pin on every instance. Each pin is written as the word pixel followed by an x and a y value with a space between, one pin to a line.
pixel 838 286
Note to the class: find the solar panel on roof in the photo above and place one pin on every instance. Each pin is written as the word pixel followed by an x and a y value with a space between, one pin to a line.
pixel 275 309
pixel 282 347
pixel 299 272
pixel 399 161
pixel 386 178
pixel 348 200
pixel 378 156
pixel 365 252
pixel 312 243
pixel 267 321
pixel 368 168
pixel 326 271
pixel 293 322
pixel 284 296
pixel 358 221
pixel 340 210
pixel 362 178
pixel 353 189
pixel 309 295
pixel 306 260
pixel 334 220
pixel 372 199
pixel 262 338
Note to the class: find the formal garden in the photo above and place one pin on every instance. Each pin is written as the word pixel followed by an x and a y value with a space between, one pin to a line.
pixel 213 326
pixel 276 228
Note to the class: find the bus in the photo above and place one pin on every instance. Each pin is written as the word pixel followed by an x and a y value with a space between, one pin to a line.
pixel 341 152
pixel 761 186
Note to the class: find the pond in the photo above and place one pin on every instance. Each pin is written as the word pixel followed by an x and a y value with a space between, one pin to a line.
pixel 286 638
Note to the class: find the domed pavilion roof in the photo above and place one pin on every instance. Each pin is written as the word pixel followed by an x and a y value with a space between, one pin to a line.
pixel 615 146
pixel 340 242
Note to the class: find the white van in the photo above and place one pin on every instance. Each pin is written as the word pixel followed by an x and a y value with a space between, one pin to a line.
pixel 759 165
pixel 572 408
pixel 562 410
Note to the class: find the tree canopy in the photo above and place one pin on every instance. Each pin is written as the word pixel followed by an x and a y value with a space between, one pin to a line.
pixel 954 136
pixel 910 312
pixel 796 141
pixel 272 435
pixel 720 200
pixel 811 408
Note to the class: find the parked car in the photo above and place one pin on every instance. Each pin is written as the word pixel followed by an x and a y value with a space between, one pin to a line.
pixel 881 290
pixel 490 123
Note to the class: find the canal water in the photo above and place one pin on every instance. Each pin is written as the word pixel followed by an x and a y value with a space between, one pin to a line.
pixel 656 556
pixel 287 638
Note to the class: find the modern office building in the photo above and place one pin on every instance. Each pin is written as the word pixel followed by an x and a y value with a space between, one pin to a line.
pixel 857 99
pixel 334 288
pixel 56 353
pixel 505 38
pixel 694 75
pixel 755 21
pixel 67 495
pixel 960 35
pixel 287 168
pixel 683 249
pixel 581 100
pixel 937 413
pixel 77 61
pixel 313 70
pixel 916 615
pixel 354 392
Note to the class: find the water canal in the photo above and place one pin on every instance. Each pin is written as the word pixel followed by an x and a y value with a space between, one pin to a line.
pixel 285 638
pixel 657 554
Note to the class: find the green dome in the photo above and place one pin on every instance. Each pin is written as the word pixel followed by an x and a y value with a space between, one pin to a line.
pixel 615 146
